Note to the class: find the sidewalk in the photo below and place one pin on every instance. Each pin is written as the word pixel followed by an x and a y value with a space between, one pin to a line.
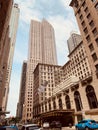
pixel 68 128
pixel 63 128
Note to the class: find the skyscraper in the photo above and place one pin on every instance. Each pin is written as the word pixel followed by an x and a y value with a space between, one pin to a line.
pixel 73 41
pixel 42 49
pixel 5 12
pixel 13 25
pixel 22 91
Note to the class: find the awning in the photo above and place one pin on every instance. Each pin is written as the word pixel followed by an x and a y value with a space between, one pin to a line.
pixel 57 113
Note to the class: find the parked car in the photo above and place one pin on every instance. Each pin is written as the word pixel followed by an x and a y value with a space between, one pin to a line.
pixel 46 125
pixel 86 124
pixel 55 124
pixel 30 127
pixel 12 127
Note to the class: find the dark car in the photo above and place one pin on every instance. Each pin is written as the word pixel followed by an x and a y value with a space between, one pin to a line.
pixel 55 124
pixel 13 127
pixel 86 124
pixel 30 127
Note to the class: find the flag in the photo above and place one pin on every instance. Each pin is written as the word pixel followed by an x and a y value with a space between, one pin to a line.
pixel 42 87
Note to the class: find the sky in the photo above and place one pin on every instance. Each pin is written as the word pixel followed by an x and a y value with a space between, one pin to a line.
pixel 60 15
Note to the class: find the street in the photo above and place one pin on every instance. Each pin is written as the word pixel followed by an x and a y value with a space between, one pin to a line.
pixel 68 128
pixel 63 128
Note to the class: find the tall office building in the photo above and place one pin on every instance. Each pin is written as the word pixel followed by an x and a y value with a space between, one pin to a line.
pixel 44 83
pixel 42 49
pixel 13 25
pixel 86 13
pixel 73 41
pixel 5 12
pixel 22 91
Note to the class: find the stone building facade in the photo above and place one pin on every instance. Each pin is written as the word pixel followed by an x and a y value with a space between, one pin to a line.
pixel 74 95
pixel 86 13
pixel 5 12
pixel 42 49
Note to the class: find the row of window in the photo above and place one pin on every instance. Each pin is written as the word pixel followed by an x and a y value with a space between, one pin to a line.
pixel 86 32
pixel 76 4
pixel 91 97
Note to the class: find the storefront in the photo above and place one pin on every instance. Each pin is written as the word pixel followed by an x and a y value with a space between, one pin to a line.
pixel 65 117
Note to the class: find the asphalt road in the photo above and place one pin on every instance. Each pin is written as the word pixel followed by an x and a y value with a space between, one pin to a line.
pixel 67 128
pixel 63 128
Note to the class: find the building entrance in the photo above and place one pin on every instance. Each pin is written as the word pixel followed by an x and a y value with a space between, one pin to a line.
pixel 65 117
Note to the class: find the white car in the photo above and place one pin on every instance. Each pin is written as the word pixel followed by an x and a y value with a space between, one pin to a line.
pixel 45 125
pixel 30 127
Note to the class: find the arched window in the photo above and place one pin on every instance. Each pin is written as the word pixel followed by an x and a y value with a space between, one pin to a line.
pixel 49 106
pixel 67 101
pixel 54 105
pixel 78 102
pixel 45 107
pixel 92 100
pixel 60 103
pixel 42 108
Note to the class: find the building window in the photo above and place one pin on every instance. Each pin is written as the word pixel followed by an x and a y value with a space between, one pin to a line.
pixel 89 16
pixel 84 4
pixel 42 108
pixel 83 24
pixel 78 102
pixel 96 6
pixel 79 11
pixel 88 38
pixel 81 16
pixel 94 56
pixel 86 31
pixel 96 66
pixel 86 10
pixel 95 32
pixel 60 103
pixel 91 47
pixel 49 106
pixel 76 4
pixel 54 105
pixel 45 107
pixel 92 100
pixel 96 41
pixel 67 101
pixel 91 24
pixel 93 0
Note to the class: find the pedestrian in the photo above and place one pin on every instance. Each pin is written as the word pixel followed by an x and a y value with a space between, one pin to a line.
pixel 70 125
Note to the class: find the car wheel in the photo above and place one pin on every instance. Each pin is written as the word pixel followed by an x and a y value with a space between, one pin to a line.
pixel 86 128
pixel 77 128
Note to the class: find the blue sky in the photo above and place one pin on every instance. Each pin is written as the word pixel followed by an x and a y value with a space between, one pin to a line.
pixel 60 15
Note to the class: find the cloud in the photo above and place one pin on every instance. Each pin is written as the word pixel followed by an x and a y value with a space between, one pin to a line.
pixel 27 11
pixel 56 13
pixel 66 2
pixel 38 9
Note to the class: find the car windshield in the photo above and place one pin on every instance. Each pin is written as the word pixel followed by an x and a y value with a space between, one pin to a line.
pixel 8 128
pixel 84 121
pixel 33 127
pixel 92 121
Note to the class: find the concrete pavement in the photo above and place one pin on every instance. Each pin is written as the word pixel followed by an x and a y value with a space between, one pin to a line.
pixel 68 128
pixel 63 128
